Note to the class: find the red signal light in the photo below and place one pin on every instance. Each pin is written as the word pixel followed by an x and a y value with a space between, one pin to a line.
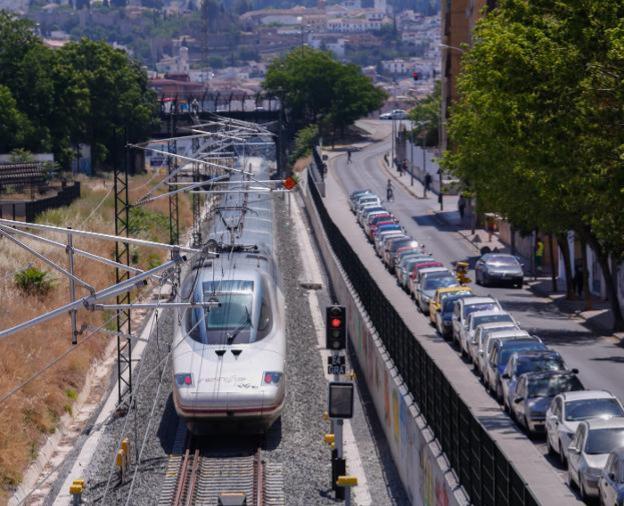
pixel 336 322
pixel 187 379
pixel 267 378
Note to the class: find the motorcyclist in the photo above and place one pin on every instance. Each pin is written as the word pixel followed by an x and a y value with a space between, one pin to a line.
pixel 389 191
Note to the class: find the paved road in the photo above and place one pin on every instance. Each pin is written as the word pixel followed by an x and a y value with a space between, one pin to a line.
pixel 599 358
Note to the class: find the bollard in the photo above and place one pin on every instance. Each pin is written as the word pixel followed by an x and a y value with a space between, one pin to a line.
pixel 75 490
pixel 345 483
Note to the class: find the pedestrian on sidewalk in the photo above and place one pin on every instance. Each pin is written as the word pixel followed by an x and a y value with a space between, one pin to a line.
pixel 404 167
pixel 461 206
pixel 428 180
pixel 396 163
pixel 539 256
pixel 578 279
pixel 348 156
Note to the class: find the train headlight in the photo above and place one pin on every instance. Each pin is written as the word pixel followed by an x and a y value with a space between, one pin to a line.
pixel 184 379
pixel 271 378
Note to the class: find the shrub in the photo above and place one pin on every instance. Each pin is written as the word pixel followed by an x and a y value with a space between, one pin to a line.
pixel 33 281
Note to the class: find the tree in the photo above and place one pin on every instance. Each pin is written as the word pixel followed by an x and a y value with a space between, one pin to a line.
pixel 426 116
pixel 540 87
pixel 120 103
pixel 15 128
pixel 314 86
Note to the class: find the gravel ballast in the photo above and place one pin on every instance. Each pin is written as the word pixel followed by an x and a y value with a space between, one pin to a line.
pixel 295 441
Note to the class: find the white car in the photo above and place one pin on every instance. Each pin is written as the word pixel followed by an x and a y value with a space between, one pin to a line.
pixel 470 305
pixel 589 450
pixel 569 409
pixel 483 334
pixel 394 114
pixel 467 337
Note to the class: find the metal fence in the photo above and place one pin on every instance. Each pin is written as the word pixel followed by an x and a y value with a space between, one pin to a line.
pixel 487 476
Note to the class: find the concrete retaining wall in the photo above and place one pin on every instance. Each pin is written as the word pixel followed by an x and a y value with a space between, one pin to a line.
pixel 424 470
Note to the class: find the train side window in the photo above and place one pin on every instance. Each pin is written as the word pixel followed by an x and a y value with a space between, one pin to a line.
pixel 265 319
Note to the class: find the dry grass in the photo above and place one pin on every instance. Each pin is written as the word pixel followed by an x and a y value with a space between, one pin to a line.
pixel 35 410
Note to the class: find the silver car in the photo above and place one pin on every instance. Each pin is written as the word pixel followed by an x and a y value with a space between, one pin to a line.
pixel 568 410
pixel 535 392
pixel 487 338
pixel 429 283
pixel 497 267
pixel 589 450
pixel 611 483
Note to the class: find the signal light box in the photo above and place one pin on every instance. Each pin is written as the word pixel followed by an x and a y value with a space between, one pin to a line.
pixel 335 328
pixel 340 400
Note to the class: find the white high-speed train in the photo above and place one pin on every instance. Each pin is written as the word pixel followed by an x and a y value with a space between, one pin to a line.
pixel 228 358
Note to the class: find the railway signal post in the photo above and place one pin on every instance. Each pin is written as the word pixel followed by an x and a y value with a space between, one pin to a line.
pixel 340 393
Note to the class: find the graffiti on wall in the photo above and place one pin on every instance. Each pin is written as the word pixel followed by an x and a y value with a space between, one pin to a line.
pixel 432 489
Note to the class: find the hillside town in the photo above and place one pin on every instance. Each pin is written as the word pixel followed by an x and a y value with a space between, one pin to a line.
pixel 197 49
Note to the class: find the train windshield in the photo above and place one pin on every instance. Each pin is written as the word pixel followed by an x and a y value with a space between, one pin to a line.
pixel 241 316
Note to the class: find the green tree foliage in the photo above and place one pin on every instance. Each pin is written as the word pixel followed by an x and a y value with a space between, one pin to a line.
pixel 538 132
pixel 15 128
pixel 120 103
pixel 304 141
pixel 85 92
pixel 426 116
pixel 316 88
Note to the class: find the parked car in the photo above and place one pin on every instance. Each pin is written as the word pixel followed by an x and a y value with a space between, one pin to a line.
pixel 394 114
pixel 525 362
pixel 429 283
pixel 589 450
pixel 467 306
pixel 385 235
pixel 392 247
pixel 404 251
pixel 568 410
pixel 407 265
pixel 534 393
pixel 435 305
pixel 486 334
pixel 499 356
pixel 444 317
pixel 376 220
pixel 367 201
pixel 356 195
pixel 366 212
pixel 498 267
pixel 467 343
pixel 414 275
pixel 611 483
pixel 383 227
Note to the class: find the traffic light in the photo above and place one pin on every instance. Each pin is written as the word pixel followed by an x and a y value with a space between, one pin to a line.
pixel 415 76
pixel 336 327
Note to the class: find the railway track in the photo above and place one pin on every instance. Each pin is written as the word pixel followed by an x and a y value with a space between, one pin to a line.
pixel 196 477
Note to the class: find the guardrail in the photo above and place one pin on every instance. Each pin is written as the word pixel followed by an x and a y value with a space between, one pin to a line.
pixel 483 470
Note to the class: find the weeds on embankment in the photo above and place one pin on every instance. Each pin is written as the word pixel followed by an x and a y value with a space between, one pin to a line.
pixel 35 410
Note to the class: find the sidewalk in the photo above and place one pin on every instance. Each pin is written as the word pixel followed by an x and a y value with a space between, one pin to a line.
pixel 598 318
